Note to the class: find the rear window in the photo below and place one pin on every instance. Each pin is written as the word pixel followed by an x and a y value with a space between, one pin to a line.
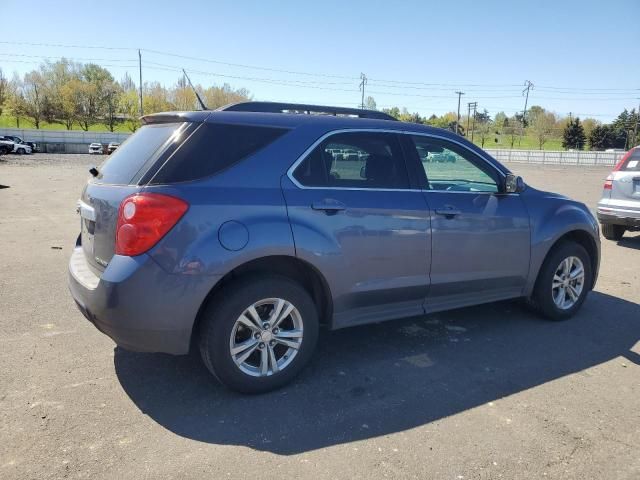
pixel 632 164
pixel 214 147
pixel 136 151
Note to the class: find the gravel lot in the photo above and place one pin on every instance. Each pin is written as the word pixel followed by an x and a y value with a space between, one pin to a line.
pixel 479 393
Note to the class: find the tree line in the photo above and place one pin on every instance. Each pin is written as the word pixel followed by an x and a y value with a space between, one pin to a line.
pixel 81 95
pixel 539 123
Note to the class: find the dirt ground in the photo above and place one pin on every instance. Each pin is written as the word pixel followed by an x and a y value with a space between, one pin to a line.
pixel 480 393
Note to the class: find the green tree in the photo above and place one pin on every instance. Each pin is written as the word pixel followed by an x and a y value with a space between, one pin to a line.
pixel 129 108
pixel 4 91
pixel 601 137
pixel 541 126
pixel 16 103
pixel 511 129
pixel 573 135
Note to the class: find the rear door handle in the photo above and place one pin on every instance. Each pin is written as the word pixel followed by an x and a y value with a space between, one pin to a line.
pixel 329 206
pixel 448 212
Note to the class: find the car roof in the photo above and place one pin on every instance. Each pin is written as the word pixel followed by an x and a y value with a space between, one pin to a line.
pixel 293 120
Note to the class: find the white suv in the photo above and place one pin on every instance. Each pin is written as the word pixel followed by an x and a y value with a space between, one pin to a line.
pixel 619 207
pixel 96 148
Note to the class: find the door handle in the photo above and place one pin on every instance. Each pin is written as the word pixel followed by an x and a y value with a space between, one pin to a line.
pixel 448 212
pixel 329 206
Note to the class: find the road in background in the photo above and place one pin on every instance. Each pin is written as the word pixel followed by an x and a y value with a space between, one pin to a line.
pixel 479 393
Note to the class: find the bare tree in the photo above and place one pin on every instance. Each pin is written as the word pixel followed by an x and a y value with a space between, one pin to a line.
pixel 33 95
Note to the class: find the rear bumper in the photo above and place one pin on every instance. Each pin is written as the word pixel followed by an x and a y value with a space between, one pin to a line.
pixel 137 304
pixel 619 217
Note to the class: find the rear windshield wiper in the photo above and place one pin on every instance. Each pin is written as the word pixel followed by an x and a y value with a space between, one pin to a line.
pixel 94 171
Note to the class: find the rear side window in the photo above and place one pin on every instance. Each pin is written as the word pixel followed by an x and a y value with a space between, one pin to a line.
pixel 136 151
pixel 632 164
pixel 355 160
pixel 214 147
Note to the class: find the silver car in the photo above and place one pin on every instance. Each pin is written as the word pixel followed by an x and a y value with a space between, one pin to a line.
pixel 619 208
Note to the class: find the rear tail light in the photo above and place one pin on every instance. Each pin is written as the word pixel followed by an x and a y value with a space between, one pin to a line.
pixel 608 183
pixel 143 219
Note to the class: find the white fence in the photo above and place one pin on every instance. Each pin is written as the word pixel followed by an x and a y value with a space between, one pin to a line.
pixel 559 157
pixel 64 141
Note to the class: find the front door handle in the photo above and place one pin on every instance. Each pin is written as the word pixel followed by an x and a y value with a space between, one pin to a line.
pixel 448 212
pixel 329 206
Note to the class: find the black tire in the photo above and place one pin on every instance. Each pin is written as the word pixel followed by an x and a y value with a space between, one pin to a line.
pixel 612 232
pixel 20 151
pixel 542 298
pixel 220 317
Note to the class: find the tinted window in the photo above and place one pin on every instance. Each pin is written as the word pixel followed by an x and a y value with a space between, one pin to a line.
pixel 632 164
pixel 450 167
pixel 214 147
pixel 355 160
pixel 124 163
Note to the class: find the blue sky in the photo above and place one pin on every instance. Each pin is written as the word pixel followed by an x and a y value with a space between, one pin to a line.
pixel 582 56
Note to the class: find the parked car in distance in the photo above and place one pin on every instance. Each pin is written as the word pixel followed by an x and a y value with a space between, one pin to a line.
pixel 6 145
pixel 19 140
pixel 112 147
pixel 619 208
pixel 96 148
pixel 239 232
pixel 22 149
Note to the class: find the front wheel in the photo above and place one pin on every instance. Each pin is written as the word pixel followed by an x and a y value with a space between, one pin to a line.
pixel 259 333
pixel 563 281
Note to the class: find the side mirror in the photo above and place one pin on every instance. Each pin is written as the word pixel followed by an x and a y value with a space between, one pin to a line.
pixel 513 183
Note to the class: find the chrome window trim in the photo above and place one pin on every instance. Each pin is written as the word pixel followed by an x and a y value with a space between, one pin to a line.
pixel 310 149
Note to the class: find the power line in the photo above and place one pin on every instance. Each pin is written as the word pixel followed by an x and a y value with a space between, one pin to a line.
pixel 393 82
pixel 58 45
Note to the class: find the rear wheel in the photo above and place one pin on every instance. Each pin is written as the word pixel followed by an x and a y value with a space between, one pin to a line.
pixel 612 232
pixel 259 333
pixel 563 281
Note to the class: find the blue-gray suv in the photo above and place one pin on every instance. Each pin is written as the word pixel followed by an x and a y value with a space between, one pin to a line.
pixel 240 231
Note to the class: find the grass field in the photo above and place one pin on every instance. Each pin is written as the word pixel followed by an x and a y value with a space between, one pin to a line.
pixel 10 122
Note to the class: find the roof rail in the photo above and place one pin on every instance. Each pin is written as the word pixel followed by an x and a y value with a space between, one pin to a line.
pixel 275 107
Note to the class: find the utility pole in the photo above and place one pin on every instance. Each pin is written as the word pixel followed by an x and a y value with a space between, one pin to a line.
pixel 471 105
pixel 363 82
pixel 473 125
pixel 140 72
pixel 527 86
pixel 635 127
pixel 458 121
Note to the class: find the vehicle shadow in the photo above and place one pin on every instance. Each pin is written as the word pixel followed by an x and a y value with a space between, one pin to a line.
pixel 630 242
pixel 380 379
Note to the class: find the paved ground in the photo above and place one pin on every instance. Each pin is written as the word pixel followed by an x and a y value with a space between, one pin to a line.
pixel 480 393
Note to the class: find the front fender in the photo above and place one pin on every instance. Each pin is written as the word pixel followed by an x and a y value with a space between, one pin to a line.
pixel 554 217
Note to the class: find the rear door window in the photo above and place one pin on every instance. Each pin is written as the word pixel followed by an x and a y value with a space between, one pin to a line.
pixel 213 148
pixel 355 160
pixel 136 152
pixel 632 164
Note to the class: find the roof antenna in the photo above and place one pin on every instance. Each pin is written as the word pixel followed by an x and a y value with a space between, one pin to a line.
pixel 202 105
